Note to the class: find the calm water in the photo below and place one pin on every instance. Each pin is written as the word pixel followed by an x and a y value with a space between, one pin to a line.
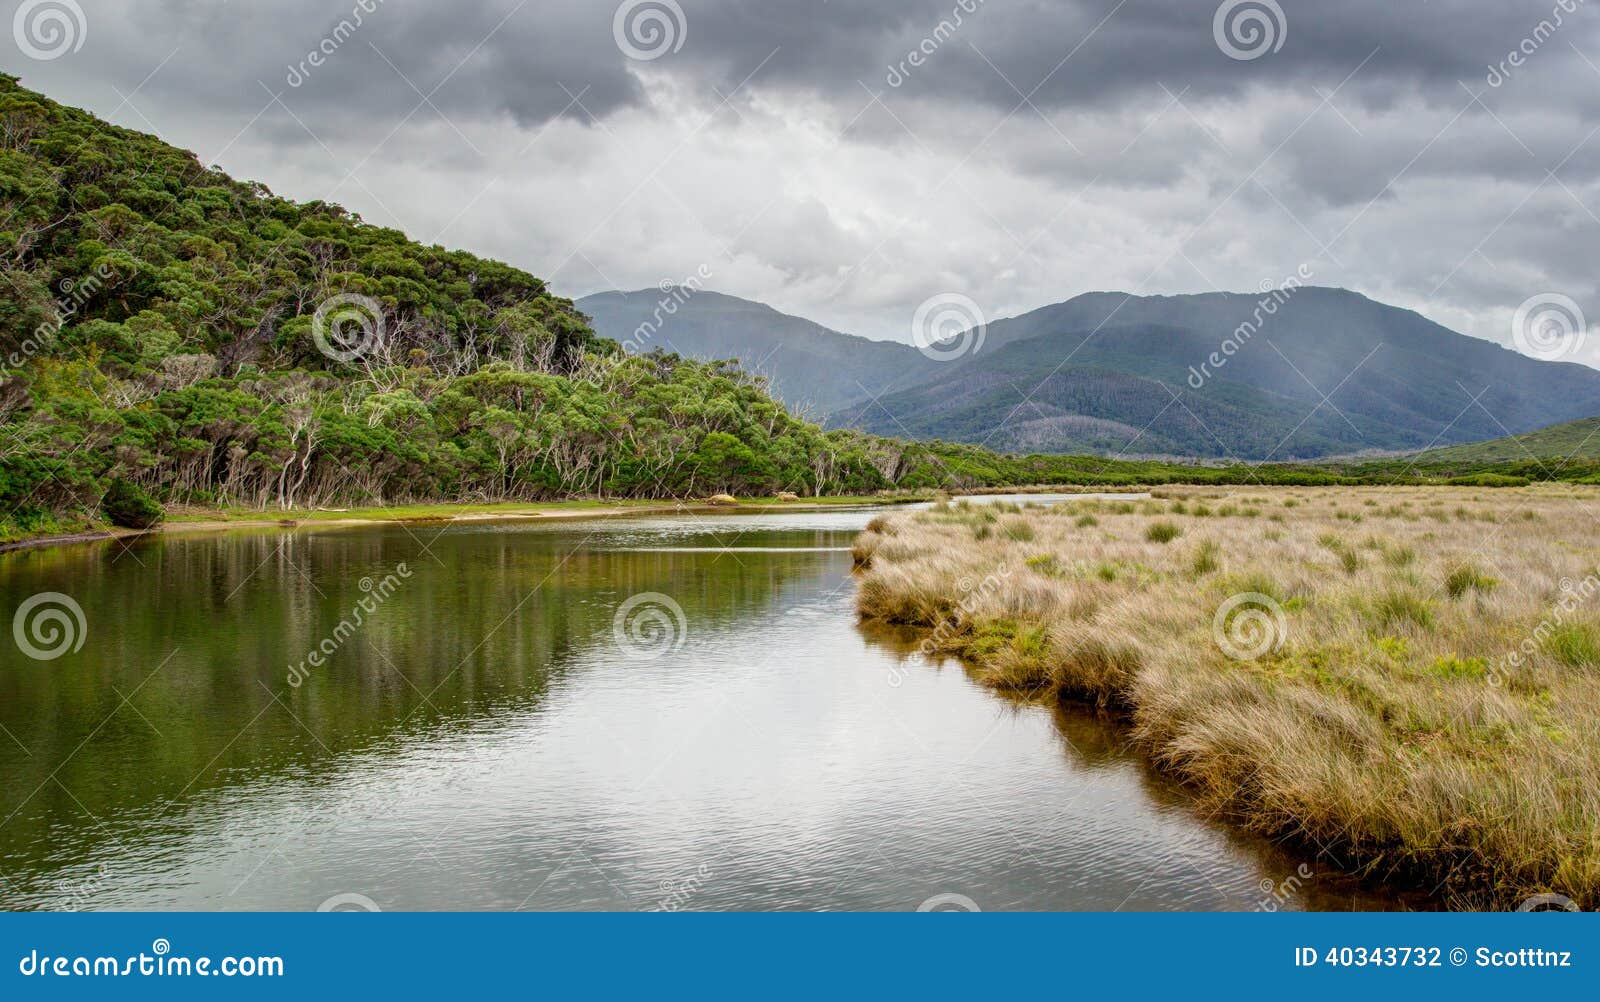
pixel 489 737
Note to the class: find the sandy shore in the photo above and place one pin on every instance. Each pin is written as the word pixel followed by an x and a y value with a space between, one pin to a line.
pixel 190 522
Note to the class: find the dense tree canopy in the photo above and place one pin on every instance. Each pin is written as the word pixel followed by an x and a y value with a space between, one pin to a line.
pixel 161 327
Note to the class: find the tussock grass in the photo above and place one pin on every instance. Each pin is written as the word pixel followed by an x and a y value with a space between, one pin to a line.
pixel 1416 717
pixel 1162 532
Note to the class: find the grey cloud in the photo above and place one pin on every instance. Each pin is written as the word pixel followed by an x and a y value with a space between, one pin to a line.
pixel 1106 182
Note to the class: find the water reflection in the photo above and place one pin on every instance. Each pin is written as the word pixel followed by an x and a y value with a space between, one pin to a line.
pixel 481 740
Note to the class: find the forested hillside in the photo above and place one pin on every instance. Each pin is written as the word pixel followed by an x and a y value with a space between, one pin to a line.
pixel 1574 441
pixel 168 332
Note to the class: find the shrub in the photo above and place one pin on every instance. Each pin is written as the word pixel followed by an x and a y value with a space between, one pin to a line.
pixel 128 506
pixel 1048 565
pixel 1489 480
pixel 1451 666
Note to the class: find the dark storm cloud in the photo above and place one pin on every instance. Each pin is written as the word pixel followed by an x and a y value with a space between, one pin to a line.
pixel 341 61
pixel 1077 53
pixel 801 148
pixel 375 59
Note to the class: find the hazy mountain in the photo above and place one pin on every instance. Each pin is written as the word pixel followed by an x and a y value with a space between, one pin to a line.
pixel 810 367
pixel 1107 372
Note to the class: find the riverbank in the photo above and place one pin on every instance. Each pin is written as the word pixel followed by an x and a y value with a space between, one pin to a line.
pixel 1406 680
pixel 186 519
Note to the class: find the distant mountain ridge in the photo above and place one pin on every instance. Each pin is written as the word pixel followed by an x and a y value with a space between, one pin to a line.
pixel 1324 372
pixel 1328 371
pixel 809 366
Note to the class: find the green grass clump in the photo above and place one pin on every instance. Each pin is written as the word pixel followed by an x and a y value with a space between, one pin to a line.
pixel 1397 608
pixel 1574 646
pixel 1018 530
pixel 1399 556
pixel 1162 532
pixel 1467 578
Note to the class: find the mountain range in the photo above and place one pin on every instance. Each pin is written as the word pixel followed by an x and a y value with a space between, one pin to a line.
pixel 1299 373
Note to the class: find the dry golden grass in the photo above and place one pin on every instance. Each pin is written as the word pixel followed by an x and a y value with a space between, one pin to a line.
pixel 1414 683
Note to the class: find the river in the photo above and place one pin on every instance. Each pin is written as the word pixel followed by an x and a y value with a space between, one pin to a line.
pixel 646 712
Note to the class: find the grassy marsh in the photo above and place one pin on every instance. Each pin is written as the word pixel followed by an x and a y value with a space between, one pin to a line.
pixel 1405 679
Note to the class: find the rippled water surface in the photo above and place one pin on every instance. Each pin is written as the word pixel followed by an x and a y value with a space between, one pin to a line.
pixel 485 738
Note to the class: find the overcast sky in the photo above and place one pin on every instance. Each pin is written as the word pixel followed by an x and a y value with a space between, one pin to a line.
pixel 1035 150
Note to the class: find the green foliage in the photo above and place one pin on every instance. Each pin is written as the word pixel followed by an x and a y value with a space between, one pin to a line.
pixel 128 506
pixel 159 336
pixel 1452 666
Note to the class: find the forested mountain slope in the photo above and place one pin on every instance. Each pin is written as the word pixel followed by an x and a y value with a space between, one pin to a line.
pixel 1571 441
pixel 177 333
